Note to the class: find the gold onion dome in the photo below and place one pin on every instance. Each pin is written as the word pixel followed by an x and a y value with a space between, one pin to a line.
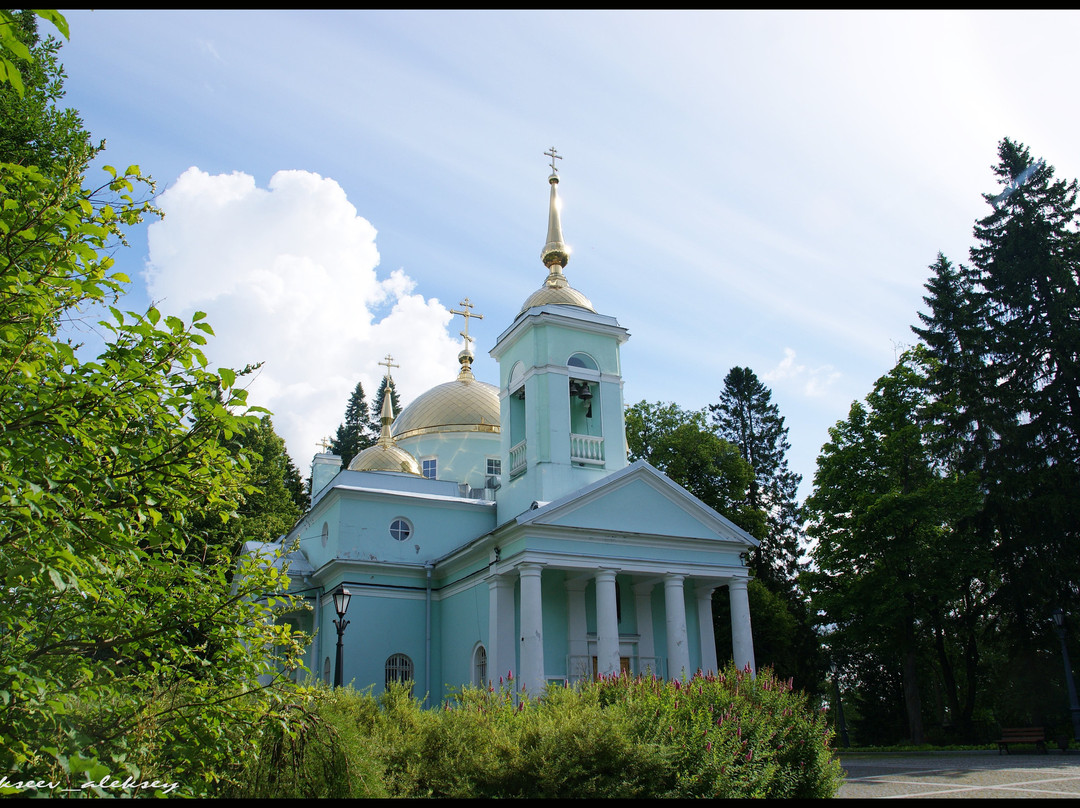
pixel 555 255
pixel 385 455
pixel 463 405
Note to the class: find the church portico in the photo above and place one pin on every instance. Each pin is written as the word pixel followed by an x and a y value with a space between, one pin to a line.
pixel 574 621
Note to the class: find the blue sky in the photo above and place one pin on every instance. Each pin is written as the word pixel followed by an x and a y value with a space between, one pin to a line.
pixel 757 189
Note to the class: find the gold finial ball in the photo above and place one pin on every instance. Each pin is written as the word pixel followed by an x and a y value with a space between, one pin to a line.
pixel 555 252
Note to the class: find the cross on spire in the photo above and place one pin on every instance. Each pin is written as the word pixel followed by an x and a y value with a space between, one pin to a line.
pixel 325 443
pixel 466 312
pixel 389 363
pixel 554 156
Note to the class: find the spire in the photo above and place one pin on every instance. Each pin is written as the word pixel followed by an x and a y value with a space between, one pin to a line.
pixel 466 356
pixel 556 288
pixel 555 253
pixel 386 418
pixel 386 455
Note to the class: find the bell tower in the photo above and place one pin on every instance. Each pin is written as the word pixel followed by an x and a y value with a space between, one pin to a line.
pixel 560 386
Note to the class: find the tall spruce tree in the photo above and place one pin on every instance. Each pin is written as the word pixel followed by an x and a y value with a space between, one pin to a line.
pixel 1028 272
pixel 1003 340
pixel 357 432
pixel 746 417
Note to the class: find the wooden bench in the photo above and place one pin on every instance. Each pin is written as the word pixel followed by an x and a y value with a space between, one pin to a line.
pixel 1035 735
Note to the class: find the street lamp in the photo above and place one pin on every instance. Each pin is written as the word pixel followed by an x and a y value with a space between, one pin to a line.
pixel 342 596
pixel 1059 624
pixel 840 723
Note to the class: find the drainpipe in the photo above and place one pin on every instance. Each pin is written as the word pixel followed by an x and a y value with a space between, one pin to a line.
pixel 316 642
pixel 427 637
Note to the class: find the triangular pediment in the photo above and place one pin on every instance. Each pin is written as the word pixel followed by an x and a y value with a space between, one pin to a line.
pixel 638 500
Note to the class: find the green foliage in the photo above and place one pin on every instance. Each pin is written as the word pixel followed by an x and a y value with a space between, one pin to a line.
pixel 882 514
pixel 15 30
pixel 746 417
pixel 359 429
pixel 784 634
pixel 269 503
pixel 118 651
pixel 34 130
pixel 731 735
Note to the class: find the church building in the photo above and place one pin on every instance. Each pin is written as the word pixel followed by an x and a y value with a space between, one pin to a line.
pixel 497 531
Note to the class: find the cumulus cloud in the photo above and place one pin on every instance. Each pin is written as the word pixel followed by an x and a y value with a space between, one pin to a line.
pixel 287 276
pixel 815 382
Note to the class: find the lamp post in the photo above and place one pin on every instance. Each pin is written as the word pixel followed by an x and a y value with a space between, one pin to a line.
pixel 840 723
pixel 1059 624
pixel 342 596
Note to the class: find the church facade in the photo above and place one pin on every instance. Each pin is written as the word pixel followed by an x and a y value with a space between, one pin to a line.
pixel 501 531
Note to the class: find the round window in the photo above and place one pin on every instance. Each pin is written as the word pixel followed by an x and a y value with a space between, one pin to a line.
pixel 400 529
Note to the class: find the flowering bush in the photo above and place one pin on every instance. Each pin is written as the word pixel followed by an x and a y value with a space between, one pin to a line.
pixel 714 735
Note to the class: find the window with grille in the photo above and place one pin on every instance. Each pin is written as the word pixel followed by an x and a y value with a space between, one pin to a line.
pixel 399 668
pixel 429 468
pixel 480 666
pixel 494 467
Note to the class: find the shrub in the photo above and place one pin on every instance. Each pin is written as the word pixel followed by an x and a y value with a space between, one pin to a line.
pixel 724 735
pixel 730 734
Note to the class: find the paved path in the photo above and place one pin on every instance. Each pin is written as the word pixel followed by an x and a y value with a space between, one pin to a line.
pixel 965 775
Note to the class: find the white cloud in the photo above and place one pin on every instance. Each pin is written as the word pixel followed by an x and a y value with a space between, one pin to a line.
pixel 287 277
pixel 814 382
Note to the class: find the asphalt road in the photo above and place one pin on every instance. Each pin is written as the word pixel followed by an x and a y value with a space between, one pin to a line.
pixel 976 775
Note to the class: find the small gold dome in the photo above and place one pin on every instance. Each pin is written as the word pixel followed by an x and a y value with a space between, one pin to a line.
pixel 463 405
pixel 563 295
pixel 381 457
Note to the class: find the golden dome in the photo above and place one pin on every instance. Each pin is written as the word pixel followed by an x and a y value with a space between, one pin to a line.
pixel 463 405
pixel 565 295
pixel 385 458
pixel 385 455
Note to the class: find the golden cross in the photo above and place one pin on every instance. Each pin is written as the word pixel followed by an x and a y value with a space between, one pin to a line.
pixel 325 444
pixel 554 156
pixel 389 363
pixel 466 312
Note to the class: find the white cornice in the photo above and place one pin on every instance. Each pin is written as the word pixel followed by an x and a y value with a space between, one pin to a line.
pixel 565 316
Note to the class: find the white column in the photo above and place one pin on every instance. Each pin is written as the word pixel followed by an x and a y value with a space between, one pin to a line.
pixel 502 649
pixel 532 631
pixel 607 623
pixel 678 651
pixel 742 639
pixel 579 666
pixel 704 592
pixel 646 643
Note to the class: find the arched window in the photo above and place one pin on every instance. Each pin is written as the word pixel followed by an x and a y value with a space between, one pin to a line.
pixel 325 533
pixel 585 407
pixel 480 666
pixel 399 668
pixel 582 360
pixel 326 671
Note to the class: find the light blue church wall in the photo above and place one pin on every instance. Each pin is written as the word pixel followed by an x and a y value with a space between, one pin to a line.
pixel 463 617
pixel 462 456
pixel 390 621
